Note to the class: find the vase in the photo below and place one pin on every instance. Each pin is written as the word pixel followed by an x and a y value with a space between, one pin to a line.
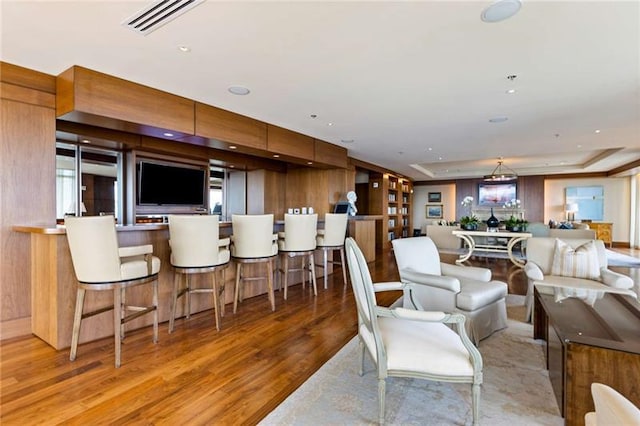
pixel 493 221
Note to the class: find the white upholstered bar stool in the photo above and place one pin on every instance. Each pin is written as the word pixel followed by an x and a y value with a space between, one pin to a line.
pixel 332 238
pixel 101 265
pixel 298 240
pixel 253 242
pixel 196 248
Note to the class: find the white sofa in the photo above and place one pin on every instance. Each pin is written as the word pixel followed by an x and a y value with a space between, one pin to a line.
pixel 540 256
pixel 442 237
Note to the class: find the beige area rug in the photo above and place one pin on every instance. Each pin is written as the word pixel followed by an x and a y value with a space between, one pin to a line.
pixel 516 389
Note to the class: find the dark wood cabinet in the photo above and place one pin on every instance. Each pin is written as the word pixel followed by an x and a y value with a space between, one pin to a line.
pixel 586 344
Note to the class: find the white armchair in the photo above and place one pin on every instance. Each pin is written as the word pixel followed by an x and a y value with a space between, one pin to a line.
pixel 565 280
pixel 410 343
pixel 452 288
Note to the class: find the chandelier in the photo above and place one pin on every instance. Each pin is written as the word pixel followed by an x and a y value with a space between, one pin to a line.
pixel 501 173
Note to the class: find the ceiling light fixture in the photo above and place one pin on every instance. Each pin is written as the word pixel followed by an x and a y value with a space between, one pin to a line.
pixel 185 49
pixel 511 91
pixel 501 173
pixel 598 131
pixel 500 10
pixel 239 90
pixel 167 134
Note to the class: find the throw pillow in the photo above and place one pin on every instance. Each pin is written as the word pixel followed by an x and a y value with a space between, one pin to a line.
pixel 581 262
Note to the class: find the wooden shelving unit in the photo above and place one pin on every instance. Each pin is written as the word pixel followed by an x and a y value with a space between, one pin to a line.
pixel 391 196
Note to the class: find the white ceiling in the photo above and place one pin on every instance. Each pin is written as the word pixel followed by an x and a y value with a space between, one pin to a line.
pixel 413 84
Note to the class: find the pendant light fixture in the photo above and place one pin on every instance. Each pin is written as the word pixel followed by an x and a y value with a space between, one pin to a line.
pixel 501 173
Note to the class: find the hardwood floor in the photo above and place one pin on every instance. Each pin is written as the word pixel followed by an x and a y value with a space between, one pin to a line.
pixel 195 375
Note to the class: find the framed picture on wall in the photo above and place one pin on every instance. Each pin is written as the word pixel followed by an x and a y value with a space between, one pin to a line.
pixel 434 197
pixel 434 211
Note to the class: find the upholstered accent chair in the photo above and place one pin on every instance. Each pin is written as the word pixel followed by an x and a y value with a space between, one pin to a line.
pixel 579 270
pixel 298 240
pixel 100 264
pixel 451 288
pixel 253 242
pixel 410 342
pixel 331 239
pixel 612 408
pixel 196 248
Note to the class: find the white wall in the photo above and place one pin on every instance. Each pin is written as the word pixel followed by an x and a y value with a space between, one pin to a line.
pixel 617 201
pixel 420 201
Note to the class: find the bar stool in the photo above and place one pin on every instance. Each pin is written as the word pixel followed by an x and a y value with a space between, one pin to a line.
pixel 100 264
pixel 332 238
pixel 196 248
pixel 298 240
pixel 253 241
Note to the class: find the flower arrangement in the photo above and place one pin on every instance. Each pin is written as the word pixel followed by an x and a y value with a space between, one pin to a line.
pixel 469 222
pixel 513 223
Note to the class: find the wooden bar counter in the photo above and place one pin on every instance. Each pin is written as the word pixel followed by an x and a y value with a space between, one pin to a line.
pixel 363 229
pixel 53 281
pixel 53 284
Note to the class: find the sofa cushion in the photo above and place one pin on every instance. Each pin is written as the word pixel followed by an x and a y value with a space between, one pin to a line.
pixel 581 262
pixel 476 294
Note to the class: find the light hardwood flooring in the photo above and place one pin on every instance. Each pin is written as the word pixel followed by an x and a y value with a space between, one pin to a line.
pixel 196 375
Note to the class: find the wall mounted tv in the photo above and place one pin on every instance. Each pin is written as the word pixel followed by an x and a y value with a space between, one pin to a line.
pixel 171 184
pixel 496 194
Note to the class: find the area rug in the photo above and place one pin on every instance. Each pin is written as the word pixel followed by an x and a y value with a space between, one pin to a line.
pixel 621 260
pixel 516 390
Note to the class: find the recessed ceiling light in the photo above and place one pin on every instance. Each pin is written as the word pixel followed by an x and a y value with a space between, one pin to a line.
pixel 309 162
pixel 579 146
pixel 429 149
pixel 439 158
pixel 501 10
pixel 232 147
pixel 498 119
pixel 232 166
pixel 184 49
pixel 276 156
pixel 167 134
pixel 329 124
pixel 511 91
pixel 313 115
pixel 239 90
pixel 85 141
pixel 598 131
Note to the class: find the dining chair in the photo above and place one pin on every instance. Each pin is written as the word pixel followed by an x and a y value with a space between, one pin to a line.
pixel 101 265
pixel 410 342
pixel 253 242
pixel 331 239
pixel 298 240
pixel 196 248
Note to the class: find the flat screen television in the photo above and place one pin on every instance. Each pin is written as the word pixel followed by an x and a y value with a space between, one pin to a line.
pixel 171 184
pixel 496 194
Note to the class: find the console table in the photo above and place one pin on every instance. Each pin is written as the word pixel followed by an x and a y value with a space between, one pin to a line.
pixel 586 344
pixel 469 237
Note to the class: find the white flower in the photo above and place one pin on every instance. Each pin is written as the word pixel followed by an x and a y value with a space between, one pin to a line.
pixel 467 201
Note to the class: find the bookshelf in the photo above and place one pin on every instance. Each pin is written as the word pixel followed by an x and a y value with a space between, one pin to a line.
pixel 391 196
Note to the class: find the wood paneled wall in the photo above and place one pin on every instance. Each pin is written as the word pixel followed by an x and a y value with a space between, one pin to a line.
pixel 530 191
pixel 316 188
pixel 27 193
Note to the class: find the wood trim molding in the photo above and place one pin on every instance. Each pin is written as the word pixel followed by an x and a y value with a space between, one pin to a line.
pixel 25 77
pixel 90 97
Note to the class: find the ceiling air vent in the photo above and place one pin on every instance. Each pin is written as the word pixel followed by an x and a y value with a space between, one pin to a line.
pixel 157 14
